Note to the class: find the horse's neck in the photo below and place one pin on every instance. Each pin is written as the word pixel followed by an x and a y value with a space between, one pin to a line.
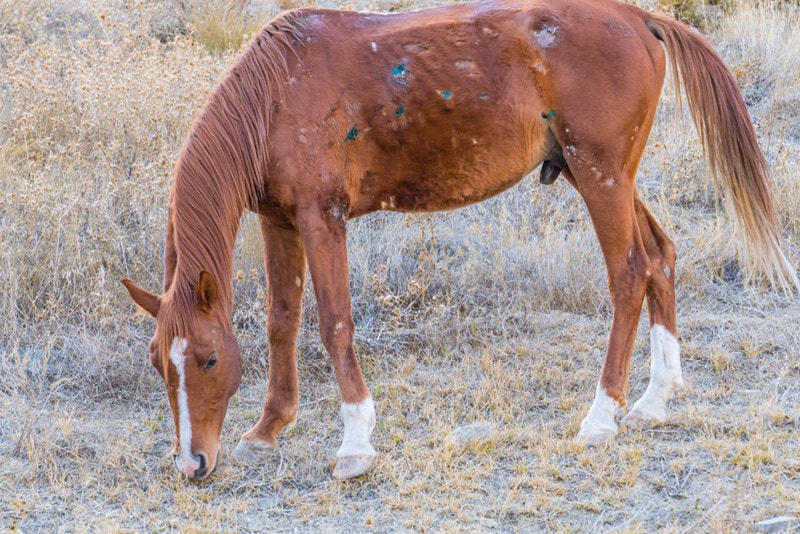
pixel 218 175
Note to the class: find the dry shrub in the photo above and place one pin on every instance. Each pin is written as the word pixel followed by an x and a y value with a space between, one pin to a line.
pixel 690 12
pixel 223 26
pixel 88 135
pixel 762 47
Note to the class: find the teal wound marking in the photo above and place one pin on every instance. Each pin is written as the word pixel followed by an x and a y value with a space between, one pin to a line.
pixel 483 96
pixel 400 110
pixel 445 94
pixel 549 115
pixel 399 70
pixel 352 134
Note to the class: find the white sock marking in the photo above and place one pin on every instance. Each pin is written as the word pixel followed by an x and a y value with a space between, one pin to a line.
pixel 185 461
pixel 601 415
pixel 665 373
pixel 359 420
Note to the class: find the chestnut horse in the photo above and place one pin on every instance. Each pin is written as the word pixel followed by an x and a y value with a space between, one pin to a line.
pixel 329 115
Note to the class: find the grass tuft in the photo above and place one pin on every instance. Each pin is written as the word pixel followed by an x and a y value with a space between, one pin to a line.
pixel 223 26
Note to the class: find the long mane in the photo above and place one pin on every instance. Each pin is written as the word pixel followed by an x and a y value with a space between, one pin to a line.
pixel 222 166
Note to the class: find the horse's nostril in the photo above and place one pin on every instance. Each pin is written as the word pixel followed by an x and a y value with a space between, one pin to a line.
pixel 201 471
pixel 195 466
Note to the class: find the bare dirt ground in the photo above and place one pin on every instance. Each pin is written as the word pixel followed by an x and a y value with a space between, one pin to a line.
pixel 494 313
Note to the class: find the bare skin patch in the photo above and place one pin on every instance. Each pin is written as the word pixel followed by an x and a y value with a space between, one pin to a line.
pixel 547 35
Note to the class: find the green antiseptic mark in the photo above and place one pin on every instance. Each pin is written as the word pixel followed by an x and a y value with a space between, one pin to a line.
pixel 352 134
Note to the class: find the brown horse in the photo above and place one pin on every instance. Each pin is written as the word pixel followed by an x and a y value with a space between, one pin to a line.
pixel 329 115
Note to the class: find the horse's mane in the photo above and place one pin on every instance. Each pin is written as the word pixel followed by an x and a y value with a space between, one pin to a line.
pixel 222 166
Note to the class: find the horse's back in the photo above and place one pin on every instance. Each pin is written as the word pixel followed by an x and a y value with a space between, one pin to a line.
pixel 440 108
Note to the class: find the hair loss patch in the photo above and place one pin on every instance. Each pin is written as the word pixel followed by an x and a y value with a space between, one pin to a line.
pixel 546 36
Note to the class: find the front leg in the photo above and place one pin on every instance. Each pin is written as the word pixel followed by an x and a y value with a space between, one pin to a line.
pixel 323 232
pixel 284 258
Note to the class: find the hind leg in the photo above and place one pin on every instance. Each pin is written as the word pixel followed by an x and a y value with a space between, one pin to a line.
pixel 609 198
pixel 285 261
pixel 602 167
pixel 665 366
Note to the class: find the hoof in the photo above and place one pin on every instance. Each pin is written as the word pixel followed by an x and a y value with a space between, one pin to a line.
pixel 352 466
pixel 253 452
pixel 591 436
pixel 639 419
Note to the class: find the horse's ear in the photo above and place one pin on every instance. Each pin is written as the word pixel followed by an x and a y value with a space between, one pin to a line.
pixel 146 300
pixel 207 291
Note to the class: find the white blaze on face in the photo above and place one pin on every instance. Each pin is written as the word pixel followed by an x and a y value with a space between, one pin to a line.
pixel 359 420
pixel 185 460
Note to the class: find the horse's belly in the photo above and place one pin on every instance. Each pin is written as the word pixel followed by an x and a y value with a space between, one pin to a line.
pixel 415 186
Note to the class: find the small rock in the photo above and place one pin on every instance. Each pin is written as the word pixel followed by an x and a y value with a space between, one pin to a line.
pixel 268 503
pixel 254 523
pixel 467 435
pixel 13 466
pixel 488 523
pixel 776 524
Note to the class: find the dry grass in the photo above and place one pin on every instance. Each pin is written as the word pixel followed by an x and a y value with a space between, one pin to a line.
pixel 497 312
pixel 223 26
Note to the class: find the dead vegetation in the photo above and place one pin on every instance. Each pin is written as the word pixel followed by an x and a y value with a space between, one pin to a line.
pixel 498 312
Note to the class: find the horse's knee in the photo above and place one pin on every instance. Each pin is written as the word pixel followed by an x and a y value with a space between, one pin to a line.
pixel 336 332
pixel 283 326
pixel 662 272
pixel 668 250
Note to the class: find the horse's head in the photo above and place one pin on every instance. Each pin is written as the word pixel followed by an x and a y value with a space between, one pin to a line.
pixel 196 354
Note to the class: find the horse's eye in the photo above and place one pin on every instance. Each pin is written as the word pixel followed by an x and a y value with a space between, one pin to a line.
pixel 212 361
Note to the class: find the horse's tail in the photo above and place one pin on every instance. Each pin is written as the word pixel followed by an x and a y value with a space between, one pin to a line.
pixel 730 145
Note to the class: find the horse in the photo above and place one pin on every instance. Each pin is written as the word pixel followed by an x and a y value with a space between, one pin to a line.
pixel 329 115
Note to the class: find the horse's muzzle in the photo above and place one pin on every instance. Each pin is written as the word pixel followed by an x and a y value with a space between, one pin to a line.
pixel 195 467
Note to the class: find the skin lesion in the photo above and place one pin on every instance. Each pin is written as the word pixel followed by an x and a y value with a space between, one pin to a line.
pixel 337 207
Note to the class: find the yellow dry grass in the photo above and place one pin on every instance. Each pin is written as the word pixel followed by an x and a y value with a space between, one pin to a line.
pixel 497 312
